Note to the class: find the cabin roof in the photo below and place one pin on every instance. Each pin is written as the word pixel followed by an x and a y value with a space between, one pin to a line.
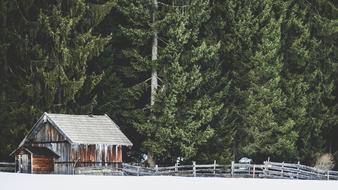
pixel 89 129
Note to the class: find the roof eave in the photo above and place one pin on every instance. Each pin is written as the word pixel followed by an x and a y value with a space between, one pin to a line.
pixel 129 142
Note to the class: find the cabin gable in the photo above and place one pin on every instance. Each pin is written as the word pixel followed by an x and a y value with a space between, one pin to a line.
pixel 45 130
pixel 47 133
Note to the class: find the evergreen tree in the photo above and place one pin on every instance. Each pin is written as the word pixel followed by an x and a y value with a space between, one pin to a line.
pixel 309 72
pixel 178 122
pixel 48 46
pixel 187 101
pixel 13 112
pixel 252 121
pixel 197 79
pixel 63 45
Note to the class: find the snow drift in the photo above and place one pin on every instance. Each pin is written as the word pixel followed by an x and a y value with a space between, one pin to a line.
pixel 15 181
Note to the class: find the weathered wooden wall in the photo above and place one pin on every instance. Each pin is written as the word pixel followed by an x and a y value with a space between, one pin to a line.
pixel 48 133
pixel 75 155
pixel 42 164
pixel 100 154
pixel 48 136
pixel 23 162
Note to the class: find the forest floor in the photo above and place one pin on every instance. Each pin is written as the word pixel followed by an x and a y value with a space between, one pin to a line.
pixel 15 181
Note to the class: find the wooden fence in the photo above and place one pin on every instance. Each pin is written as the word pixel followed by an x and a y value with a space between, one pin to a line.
pixel 297 171
pixel 7 167
pixel 266 170
pixel 99 170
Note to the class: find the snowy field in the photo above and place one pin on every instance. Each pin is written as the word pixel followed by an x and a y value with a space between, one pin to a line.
pixel 12 181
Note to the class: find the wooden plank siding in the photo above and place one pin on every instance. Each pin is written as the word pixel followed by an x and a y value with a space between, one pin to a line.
pixel 51 138
pixel 75 155
pixel 23 162
pixel 88 155
pixel 42 164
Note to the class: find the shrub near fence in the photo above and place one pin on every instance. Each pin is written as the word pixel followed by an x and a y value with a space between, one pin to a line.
pixel 7 167
pixel 266 170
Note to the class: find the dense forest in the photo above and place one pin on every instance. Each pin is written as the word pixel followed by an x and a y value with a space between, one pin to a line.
pixel 202 80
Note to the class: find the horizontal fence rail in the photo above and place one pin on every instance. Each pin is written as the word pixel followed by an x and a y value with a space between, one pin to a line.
pixel 7 167
pixel 266 170
pixel 98 170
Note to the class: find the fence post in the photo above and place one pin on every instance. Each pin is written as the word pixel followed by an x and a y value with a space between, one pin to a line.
pixel 282 169
pixel 298 170
pixel 328 174
pixel 214 167
pixel 176 169
pixel 318 176
pixel 138 170
pixel 253 171
pixel 249 169
pixel 232 168
pixel 156 169
pixel 194 168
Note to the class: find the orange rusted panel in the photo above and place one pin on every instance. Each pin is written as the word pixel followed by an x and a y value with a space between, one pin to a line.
pixel 119 153
pixel 114 153
pixel 42 164
pixel 92 154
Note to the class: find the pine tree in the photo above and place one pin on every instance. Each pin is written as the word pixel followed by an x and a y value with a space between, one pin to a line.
pixel 184 107
pixel 13 112
pixel 252 121
pixel 186 67
pixel 309 73
pixel 64 44
pixel 48 46
pixel 124 92
pixel 270 132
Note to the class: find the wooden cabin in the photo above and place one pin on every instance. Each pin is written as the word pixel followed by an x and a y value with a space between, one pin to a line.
pixel 58 143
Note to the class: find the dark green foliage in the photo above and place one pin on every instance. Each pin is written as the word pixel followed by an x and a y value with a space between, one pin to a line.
pixel 48 48
pixel 236 78
pixel 310 48
pixel 188 99
pixel 251 122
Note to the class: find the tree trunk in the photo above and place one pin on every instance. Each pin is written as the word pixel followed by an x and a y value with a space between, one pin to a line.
pixel 4 48
pixel 154 82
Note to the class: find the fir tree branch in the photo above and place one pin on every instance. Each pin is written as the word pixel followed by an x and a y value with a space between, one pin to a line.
pixel 21 13
pixel 179 6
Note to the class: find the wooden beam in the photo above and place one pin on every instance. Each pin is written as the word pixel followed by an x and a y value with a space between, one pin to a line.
pixel 70 162
pixel 47 142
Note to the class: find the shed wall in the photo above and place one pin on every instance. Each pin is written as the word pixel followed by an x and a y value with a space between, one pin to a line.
pixel 73 155
pixel 89 155
pixel 51 138
pixel 42 164
pixel 23 162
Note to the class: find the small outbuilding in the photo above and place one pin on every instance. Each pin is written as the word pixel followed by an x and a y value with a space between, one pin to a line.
pixel 58 143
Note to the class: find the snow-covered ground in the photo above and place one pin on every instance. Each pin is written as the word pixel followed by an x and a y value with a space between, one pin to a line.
pixel 13 181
